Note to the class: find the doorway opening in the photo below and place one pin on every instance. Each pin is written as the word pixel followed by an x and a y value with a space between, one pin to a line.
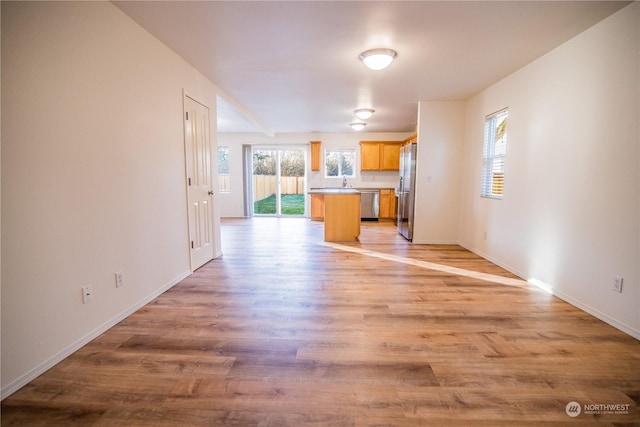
pixel 279 181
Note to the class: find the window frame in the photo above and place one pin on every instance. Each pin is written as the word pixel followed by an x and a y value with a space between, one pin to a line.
pixel 349 150
pixel 494 156
pixel 228 188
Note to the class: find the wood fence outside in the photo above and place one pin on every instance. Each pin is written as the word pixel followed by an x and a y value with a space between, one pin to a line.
pixel 223 182
pixel 265 185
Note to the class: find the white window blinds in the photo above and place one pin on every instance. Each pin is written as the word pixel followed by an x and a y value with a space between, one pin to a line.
pixel 493 154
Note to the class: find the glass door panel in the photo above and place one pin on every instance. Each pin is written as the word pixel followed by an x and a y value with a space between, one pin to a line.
pixel 265 169
pixel 279 182
pixel 292 182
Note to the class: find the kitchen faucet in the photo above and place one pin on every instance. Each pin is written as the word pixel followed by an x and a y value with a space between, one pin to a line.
pixel 344 181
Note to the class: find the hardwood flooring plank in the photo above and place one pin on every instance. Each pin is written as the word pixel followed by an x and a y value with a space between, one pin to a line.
pixel 41 415
pixel 286 395
pixel 514 405
pixel 284 330
pixel 358 373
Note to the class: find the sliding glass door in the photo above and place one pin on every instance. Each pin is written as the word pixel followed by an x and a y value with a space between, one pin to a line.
pixel 279 181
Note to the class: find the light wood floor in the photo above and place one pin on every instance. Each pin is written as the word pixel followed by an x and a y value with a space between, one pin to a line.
pixel 285 330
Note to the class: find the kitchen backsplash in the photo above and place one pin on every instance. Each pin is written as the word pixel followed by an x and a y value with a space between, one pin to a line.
pixel 361 180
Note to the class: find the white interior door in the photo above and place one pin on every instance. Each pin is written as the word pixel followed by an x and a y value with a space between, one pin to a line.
pixel 199 181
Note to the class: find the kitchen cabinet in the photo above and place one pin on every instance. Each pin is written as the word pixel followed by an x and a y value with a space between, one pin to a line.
pixel 390 156
pixel 380 155
pixel 387 203
pixel 315 155
pixel 317 207
pixel 369 156
pixel 413 138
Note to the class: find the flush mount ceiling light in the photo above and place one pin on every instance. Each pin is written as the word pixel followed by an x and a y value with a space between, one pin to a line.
pixel 357 125
pixel 378 59
pixel 363 113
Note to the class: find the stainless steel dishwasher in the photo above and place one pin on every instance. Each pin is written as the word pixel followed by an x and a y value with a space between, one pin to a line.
pixel 369 205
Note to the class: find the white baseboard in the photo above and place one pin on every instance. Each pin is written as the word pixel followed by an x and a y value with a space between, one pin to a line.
pixel 509 268
pixel 23 380
pixel 598 314
pixel 435 242
pixel 574 302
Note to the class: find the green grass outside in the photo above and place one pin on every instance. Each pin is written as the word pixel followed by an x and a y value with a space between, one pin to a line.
pixel 290 204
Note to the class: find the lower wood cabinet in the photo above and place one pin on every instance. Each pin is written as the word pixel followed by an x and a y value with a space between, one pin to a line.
pixel 387 203
pixel 317 207
pixel 341 217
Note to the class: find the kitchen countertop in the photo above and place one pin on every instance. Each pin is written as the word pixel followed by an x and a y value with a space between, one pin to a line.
pixel 333 191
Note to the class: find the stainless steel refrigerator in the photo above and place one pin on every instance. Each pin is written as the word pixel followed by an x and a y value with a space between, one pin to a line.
pixel 406 190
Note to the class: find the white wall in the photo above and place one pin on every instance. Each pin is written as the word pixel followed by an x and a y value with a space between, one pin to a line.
pixel 439 154
pixel 571 209
pixel 232 204
pixel 93 175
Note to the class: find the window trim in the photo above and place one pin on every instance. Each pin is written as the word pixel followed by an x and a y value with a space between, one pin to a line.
pixel 489 156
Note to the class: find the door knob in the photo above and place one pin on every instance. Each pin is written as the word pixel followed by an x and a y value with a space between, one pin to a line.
pixel 210 193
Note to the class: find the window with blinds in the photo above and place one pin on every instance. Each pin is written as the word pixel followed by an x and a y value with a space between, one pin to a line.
pixel 493 154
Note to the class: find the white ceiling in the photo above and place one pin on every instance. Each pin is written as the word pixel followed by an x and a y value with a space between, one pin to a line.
pixel 292 66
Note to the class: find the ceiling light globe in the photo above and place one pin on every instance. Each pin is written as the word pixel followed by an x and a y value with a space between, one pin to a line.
pixel 357 125
pixel 378 59
pixel 363 113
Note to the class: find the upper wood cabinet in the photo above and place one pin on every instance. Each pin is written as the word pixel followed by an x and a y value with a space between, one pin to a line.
pixel 369 156
pixel 390 156
pixel 380 155
pixel 412 138
pixel 315 155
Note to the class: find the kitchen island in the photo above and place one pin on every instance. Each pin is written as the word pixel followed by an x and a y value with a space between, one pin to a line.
pixel 341 213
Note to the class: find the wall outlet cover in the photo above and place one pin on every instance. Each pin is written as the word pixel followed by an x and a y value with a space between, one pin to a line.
pixel 119 279
pixel 87 291
pixel 617 283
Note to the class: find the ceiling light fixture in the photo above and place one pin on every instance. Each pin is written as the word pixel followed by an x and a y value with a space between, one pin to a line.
pixel 378 59
pixel 357 125
pixel 363 113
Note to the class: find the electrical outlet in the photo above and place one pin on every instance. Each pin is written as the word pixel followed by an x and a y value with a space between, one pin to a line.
pixel 617 283
pixel 86 294
pixel 119 279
